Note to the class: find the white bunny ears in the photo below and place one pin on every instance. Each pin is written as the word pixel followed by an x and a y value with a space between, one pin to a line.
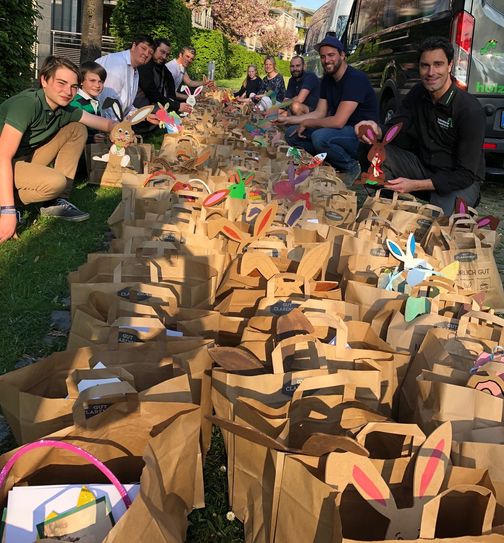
pixel 191 97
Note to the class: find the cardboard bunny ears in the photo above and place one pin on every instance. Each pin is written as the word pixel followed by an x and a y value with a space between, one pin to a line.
pixel 377 154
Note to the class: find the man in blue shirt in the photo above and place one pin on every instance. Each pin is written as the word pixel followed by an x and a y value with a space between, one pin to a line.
pixel 346 98
pixel 303 88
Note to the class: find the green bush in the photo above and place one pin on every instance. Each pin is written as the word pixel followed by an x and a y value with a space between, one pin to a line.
pixel 283 67
pixel 18 33
pixel 157 18
pixel 239 58
pixel 209 45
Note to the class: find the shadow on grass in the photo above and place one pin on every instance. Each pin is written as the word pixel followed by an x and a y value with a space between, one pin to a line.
pixel 34 269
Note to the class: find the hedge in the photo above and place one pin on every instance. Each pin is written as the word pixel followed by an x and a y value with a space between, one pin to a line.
pixel 231 59
pixel 18 33
pixel 209 45
pixel 157 18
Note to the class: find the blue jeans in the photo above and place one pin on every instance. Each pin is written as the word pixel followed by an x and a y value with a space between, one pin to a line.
pixel 340 144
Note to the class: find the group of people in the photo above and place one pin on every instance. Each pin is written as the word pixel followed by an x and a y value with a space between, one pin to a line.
pixel 437 156
pixel 51 125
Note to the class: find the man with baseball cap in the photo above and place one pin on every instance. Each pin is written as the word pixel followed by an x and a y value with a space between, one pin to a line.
pixel 346 98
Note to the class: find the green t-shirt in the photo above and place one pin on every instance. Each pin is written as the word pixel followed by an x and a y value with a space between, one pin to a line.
pixel 29 113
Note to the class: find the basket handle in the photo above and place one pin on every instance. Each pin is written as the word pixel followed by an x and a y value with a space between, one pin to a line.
pixel 71 448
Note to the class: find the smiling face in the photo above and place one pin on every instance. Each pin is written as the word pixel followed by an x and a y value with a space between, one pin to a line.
pixel 161 53
pixel 252 72
pixel 186 58
pixel 331 59
pixel 141 53
pixel 92 85
pixel 61 88
pixel 434 70
pixel 296 67
pixel 269 67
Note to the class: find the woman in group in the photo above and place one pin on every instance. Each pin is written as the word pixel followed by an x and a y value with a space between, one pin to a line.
pixel 251 84
pixel 272 81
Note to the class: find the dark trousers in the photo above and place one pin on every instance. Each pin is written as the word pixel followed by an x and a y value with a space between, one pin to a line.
pixel 401 163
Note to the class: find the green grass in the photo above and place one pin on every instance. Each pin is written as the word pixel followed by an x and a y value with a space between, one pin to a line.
pixel 34 269
pixel 234 84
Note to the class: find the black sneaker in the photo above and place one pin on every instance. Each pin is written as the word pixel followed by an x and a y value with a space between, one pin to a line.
pixel 63 209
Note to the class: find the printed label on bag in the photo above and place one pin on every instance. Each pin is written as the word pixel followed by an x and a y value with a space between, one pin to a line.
pixel 466 256
pixel 96 409
pixel 289 388
pixel 282 308
pixel 127 337
pixel 378 251
pixel 333 216
pixel 168 237
pixel 424 222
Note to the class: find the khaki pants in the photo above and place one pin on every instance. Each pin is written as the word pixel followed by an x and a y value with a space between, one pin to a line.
pixel 35 181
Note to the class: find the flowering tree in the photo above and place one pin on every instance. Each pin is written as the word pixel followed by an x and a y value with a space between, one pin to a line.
pixel 240 18
pixel 277 39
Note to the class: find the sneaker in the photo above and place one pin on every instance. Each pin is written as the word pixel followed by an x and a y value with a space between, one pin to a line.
pixel 351 174
pixel 63 209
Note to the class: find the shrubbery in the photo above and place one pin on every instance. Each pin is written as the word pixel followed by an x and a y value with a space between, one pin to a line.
pixel 231 59
pixel 158 18
pixel 209 45
pixel 18 33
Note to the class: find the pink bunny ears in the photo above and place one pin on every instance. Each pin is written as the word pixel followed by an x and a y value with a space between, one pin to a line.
pixel 367 130
pixel 187 90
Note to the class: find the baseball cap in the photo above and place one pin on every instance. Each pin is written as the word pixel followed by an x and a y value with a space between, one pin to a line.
pixel 331 41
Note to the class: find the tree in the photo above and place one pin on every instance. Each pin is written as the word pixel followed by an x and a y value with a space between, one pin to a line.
pixel 157 18
pixel 92 24
pixel 277 39
pixel 240 18
pixel 18 33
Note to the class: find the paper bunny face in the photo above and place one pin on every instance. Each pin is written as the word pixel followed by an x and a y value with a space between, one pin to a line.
pixel 191 97
pixel 122 133
pixel 431 463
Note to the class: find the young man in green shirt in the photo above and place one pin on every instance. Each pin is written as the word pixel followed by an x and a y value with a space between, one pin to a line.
pixel 38 127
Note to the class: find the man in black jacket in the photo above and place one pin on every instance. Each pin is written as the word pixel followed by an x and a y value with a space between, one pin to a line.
pixel 156 82
pixel 438 155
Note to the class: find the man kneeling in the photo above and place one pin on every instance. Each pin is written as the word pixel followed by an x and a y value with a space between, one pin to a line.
pixel 38 127
pixel 438 155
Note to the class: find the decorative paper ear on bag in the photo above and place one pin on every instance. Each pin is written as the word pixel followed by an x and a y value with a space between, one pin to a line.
pixel 376 155
pixel 416 307
pixel 491 384
pixel 293 322
pixel 252 211
pixel 234 359
pixel 314 162
pixel 431 462
pixel 489 221
pixel 265 219
pixel 313 261
pixel 191 97
pixel 260 262
pixel 295 153
pixel 236 190
pixel 170 121
pixel 286 188
pixel 295 213
pixel 199 160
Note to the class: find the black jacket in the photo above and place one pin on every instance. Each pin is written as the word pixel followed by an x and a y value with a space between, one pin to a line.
pixel 447 136
pixel 155 85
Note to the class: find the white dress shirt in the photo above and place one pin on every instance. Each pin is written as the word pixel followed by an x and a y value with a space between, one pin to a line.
pixel 121 82
pixel 177 70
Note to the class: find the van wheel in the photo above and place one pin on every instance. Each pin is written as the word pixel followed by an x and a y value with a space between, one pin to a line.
pixel 388 109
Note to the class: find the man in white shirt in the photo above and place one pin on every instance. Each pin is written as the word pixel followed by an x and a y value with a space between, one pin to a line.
pixel 122 74
pixel 178 68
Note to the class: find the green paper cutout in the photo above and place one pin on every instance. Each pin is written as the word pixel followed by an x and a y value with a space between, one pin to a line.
pixel 416 307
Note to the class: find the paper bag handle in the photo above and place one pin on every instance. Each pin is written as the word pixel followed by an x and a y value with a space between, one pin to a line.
pixel 283 279
pixel 489 318
pixel 431 510
pixel 436 281
pixel 408 430
pixel 330 380
pixel 451 297
pixel 71 448
pixel 277 356
pixel 100 373
pixel 154 273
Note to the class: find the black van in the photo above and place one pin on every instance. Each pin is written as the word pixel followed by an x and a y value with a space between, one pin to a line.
pixel 382 38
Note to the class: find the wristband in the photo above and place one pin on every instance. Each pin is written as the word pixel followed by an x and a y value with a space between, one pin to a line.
pixel 9 211
pixel 7 207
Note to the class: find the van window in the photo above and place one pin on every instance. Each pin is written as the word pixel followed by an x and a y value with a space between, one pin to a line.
pixel 371 17
pixel 498 5
pixel 408 10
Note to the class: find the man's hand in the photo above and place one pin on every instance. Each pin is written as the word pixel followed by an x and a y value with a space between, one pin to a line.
pixel 151 118
pixel 210 83
pixel 403 184
pixel 99 138
pixel 7 226
pixel 376 129
pixel 300 131
pixel 185 108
